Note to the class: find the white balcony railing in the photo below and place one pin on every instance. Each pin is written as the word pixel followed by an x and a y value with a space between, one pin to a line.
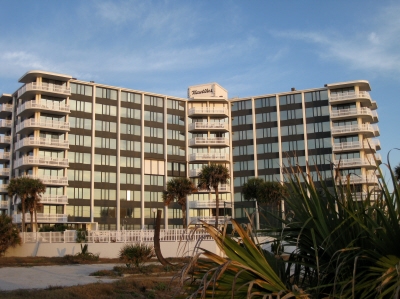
pixel 6 108
pixel 354 179
pixel 209 219
pixel 209 204
pixel 354 145
pixel 3 188
pixel 42 218
pixel 355 128
pixel 45 142
pixel 209 141
pixel 52 124
pixel 221 188
pixel 44 87
pixel 5 123
pixel 208 157
pixel 54 199
pixel 5 156
pixel 208 126
pixel 352 112
pixel 42 161
pixel 5 139
pixel 207 111
pixel 51 106
pixel 352 162
pixel 4 171
pixel 4 204
pixel 50 180
pixel 349 96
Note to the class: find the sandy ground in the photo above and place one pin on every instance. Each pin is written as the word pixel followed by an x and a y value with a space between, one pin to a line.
pixel 40 277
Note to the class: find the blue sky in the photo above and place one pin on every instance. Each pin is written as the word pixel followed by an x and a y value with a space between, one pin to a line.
pixel 249 47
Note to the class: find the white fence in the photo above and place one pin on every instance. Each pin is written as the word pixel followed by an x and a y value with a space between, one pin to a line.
pixel 109 236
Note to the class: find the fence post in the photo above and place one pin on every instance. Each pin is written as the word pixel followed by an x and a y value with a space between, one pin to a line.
pixel 50 237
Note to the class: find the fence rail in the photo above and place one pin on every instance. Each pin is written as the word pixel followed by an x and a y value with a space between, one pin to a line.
pixel 122 236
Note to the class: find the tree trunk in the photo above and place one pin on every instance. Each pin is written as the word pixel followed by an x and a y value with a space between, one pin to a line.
pixel 157 246
pixel 184 216
pixel 216 206
pixel 23 214
pixel 35 210
pixel 31 213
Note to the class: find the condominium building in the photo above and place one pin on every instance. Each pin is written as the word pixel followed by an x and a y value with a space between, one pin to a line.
pixel 105 153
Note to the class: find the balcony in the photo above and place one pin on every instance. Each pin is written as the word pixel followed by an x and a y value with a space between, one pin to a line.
pixel 53 108
pixel 5 156
pixel 367 130
pixel 33 124
pixel 5 141
pixel 54 199
pixel 203 157
pixel 354 179
pixel 50 179
pixel 209 204
pixel 368 145
pixel 5 110
pixel 4 172
pixel 351 96
pixel 364 112
pixel 42 218
pixel 205 111
pixel 209 141
pixel 208 126
pixel 4 204
pixel 355 162
pixel 29 161
pixel 221 189
pixel 30 142
pixel 3 188
pixel 5 125
pixel 208 219
pixel 30 89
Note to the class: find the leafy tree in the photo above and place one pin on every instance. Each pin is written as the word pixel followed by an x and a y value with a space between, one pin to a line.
pixel 210 177
pixel 178 189
pixel 9 234
pixel 27 189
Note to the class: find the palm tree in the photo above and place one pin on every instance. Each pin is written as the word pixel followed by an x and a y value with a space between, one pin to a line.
pixel 210 177
pixel 27 188
pixel 178 189
pixel 397 172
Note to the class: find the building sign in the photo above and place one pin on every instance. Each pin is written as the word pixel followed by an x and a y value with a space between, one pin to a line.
pixel 198 92
pixel 210 90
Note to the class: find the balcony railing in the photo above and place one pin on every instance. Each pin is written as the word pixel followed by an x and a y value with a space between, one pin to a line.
pixel 6 108
pixel 44 87
pixel 50 180
pixel 208 157
pixel 205 126
pixel 42 142
pixel 4 171
pixel 207 111
pixel 4 204
pixel 349 96
pixel 209 204
pixel 202 141
pixel 352 162
pixel 42 218
pixel 353 112
pixel 356 128
pixel 5 156
pixel 221 188
pixel 54 199
pixel 52 124
pixel 5 123
pixel 354 179
pixel 5 139
pixel 55 106
pixel 3 188
pixel 209 219
pixel 42 161
pixel 346 146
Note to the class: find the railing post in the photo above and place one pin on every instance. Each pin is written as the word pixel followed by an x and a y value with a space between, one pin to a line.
pixel 50 238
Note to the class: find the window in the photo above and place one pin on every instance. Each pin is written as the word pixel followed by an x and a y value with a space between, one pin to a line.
pixel 131 196
pixel 346 139
pixel 318 127
pixel 80 106
pixel 103 142
pixel 80 123
pixel 154 148
pixel 242 135
pixel 106 109
pixel 290 99
pixel 175 150
pixel 154 167
pixel 153 101
pixel 131 97
pixel 130 129
pixel 105 160
pixel 79 175
pixel 82 158
pixel 78 211
pixel 106 126
pixel 241 105
pixel 130 178
pixel 176 169
pixel 177 105
pixel 292 130
pixel 243 165
pixel 240 180
pixel 175 135
pixel 153 196
pixel 153 132
pixel 295 145
pixel 268 163
pixel 106 93
pixel 349 155
pixel 292 114
pixel 267 132
pixel 265 117
pixel 104 177
pixel 105 194
pixel 242 120
pixel 80 140
pixel 319 159
pixel 175 119
pixel 154 180
pixel 265 102
pixel 78 193
pixel 130 145
pixel 243 150
pixel 319 143
pixel 81 89
pixel 130 113
pixel 153 116
pixel 267 148
pixel 317 111
pixel 315 96
pixel 130 162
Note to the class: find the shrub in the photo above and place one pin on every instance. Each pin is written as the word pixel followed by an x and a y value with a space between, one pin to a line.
pixel 81 235
pixel 9 234
pixel 84 255
pixel 136 254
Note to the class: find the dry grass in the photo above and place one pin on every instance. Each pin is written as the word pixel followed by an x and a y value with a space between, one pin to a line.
pixel 49 261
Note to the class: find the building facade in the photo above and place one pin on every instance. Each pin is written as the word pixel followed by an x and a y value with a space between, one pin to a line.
pixel 105 153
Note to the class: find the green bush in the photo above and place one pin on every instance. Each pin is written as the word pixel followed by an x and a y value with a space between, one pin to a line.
pixel 84 255
pixel 9 234
pixel 81 235
pixel 136 254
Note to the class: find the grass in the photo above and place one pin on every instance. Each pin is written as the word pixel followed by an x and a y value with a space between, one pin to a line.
pixel 49 261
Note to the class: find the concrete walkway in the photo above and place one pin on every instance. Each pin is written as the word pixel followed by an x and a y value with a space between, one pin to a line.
pixel 41 277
